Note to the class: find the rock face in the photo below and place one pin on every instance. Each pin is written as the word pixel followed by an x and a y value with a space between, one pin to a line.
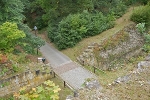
pixel 30 78
pixel 121 46
pixel 123 79
pixel 91 91
pixel 136 78
pixel 142 66
pixel 92 85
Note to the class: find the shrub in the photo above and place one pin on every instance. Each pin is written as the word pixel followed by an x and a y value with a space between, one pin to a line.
pixel 141 27
pixel 130 2
pixel 147 38
pixel 98 23
pixel 70 31
pixel 10 35
pixel 142 15
pixel 31 43
pixel 77 26
pixel 40 23
pixel 146 46
pixel 52 31
pixel 119 8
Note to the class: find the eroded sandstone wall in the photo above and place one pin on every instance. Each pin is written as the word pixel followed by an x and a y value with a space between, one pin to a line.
pixel 121 46
pixel 28 78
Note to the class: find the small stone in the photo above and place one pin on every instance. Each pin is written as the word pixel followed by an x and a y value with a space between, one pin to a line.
pixel 109 84
pixel 69 97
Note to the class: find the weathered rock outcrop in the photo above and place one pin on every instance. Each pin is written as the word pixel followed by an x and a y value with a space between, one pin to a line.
pixel 142 67
pixel 91 91
pixel 114 50
pixel 30 78
pixel 136 78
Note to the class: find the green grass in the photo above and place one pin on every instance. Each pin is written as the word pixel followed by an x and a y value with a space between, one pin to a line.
pixel 106 77
pixel 81 46
pixel 136 89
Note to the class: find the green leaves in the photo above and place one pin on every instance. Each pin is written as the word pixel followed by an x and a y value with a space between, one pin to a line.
pixel 10 35
pixel 47 91
pixel 141 27
pixel 73 28
pixel 142 15
pixel 40 89
pixel 11 10
pixel 56 89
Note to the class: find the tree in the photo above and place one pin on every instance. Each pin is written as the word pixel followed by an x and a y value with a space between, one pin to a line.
pixel 141 15
pixel 11 10
pixel 10 34
pixel 77 26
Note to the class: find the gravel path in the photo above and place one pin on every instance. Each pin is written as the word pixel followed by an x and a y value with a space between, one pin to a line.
pixel 72 73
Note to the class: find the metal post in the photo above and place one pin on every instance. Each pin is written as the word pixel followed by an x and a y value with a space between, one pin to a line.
pixel 64 84
pixel 54 74
pixel 75 93
pixel 35 28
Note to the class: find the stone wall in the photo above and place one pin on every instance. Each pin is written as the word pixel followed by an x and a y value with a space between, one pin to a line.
pixel 121 46
pixel 28 78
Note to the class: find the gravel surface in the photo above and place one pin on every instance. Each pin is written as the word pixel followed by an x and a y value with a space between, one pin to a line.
pixel 70 72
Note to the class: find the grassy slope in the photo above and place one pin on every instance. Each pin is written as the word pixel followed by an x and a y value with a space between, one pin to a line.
pixel 119 92
pixel 120 23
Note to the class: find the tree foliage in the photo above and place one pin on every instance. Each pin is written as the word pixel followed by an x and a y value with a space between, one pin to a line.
pixel 10 35
pixel 47 91
pixel 11 11
pixel 31 43
pixel 79 19
pixel 77 26
pixel 134 2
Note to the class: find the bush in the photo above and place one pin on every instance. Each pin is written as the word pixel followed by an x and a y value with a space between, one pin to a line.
pixel 70 31
pixel 130 2
pixel 106 6
pixel 75 27
pixel 52 31
pixel 40 23
pixel 142 15
pixel 141 28
pixel 10 35
pixel 119 8
pixel 97 23
pixel 30 43
pixel 146 48
pixel 147 38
